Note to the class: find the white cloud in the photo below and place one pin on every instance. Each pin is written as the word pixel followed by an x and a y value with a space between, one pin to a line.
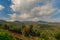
pixel 13 17
pixel 24 16
pixel 1 7
pixel 18 2
pixel 30 10
pixel 25 5
pixel 35 19
pixel 44 10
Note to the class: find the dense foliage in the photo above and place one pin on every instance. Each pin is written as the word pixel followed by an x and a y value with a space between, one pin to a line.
pixel 30 31
pixel 4 35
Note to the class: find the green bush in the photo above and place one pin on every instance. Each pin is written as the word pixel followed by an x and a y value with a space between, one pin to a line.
pixel 5 36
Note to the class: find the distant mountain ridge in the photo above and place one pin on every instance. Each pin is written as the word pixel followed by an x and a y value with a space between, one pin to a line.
pixel 3 21
pixel 42 21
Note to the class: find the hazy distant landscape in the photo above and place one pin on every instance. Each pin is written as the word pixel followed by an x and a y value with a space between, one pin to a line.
pixel 29 30
pixel 29 19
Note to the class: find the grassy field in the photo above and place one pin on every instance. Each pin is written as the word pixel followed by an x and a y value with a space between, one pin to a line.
pixel 34 31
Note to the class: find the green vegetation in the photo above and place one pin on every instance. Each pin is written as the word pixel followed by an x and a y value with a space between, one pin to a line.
pixel 35 31
pixel 5 36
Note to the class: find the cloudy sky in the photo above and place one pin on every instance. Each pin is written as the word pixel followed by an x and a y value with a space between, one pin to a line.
pixel 30 10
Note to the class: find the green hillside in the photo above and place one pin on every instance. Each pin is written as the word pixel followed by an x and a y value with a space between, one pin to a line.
pixel 29 31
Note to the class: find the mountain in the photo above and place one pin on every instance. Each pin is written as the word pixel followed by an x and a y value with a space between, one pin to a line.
pixel 28 22
pixel 3 21
pixel 42 21
pixel 17 22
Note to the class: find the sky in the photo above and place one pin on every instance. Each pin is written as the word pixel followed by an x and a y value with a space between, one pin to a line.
pixel 30 10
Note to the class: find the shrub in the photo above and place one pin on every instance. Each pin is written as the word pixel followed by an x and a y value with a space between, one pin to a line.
pixel 5 36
